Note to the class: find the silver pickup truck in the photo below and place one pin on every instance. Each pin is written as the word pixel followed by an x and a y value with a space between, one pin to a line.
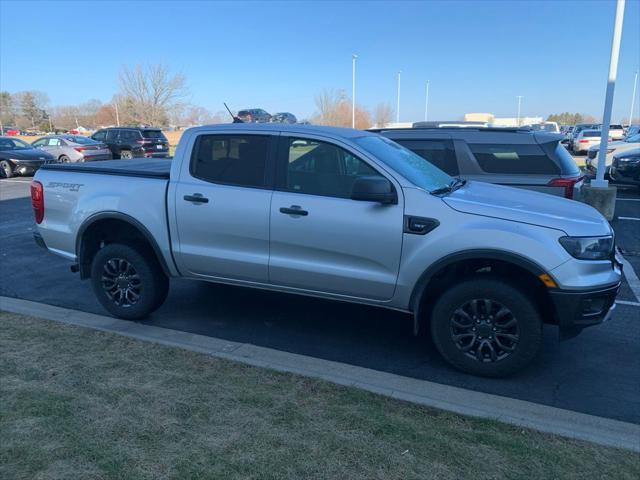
pixel 340 214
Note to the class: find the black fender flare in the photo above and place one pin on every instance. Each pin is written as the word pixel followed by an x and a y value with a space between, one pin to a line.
pixel 112 215
pixel 476 254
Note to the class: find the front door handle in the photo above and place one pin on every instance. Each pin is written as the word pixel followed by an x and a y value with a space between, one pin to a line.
pixel 196 198
pixel 294 210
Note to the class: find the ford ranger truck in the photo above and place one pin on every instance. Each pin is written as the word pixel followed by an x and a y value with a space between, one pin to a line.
pixel 340 214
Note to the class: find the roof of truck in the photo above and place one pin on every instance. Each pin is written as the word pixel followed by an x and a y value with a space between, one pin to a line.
pixel 283 127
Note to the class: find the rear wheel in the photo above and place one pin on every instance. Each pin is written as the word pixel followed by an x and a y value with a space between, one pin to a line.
pixel 126 155
pixel 128 283
pixel 63 159
pixel 6 169
pixel 486 327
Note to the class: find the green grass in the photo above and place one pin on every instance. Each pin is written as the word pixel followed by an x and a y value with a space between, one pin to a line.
pixel 77 403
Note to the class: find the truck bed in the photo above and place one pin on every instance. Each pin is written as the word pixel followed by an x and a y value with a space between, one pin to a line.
pixel 131 168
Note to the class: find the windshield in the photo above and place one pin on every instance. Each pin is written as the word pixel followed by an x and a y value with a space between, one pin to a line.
pixel 13 144
pixel 80 140
pixel 411 166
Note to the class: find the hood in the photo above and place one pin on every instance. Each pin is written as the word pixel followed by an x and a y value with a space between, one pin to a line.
pixel 525 206
pixel 26 154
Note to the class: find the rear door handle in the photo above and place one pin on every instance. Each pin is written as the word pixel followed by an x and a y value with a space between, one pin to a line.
pixel 196 198
pixel 294 210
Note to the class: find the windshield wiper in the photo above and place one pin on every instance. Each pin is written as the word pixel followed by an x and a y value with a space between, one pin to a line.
pixel 453 185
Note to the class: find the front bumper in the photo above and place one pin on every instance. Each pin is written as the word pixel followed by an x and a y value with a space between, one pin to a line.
pixel 578 310
pixel 26 167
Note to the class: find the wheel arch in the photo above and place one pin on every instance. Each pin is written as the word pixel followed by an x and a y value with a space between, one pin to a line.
pixel 442 273
pixel 110 227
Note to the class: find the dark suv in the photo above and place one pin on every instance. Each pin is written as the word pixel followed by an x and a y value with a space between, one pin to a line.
pixel 507 156
pixel 133 142
pixel 254 115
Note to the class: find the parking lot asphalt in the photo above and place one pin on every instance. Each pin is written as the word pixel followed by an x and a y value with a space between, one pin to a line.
pixel 596 373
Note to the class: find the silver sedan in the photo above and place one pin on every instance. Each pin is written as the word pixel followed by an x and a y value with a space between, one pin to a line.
pixel 73 148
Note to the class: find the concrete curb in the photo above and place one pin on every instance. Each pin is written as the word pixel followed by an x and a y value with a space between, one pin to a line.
pixel 570 424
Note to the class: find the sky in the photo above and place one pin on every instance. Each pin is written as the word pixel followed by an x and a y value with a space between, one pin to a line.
pixel 477 55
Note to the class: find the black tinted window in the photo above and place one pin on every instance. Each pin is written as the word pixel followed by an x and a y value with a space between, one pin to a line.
pixel 100 135
pixel 112 135
pixel 153 134
pixel 231 159
pixel 320 168
pixel 437 152
pixel 129 135
pixel 513 159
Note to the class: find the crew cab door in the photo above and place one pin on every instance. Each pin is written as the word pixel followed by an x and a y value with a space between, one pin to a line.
pixel 323 241
pixel 222 202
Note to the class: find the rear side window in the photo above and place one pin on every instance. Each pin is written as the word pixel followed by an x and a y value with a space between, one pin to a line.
pixel 153 134
pixel 437 152
pixel 513 159
pixel 231 159
pixel 129 135
pixel 112 135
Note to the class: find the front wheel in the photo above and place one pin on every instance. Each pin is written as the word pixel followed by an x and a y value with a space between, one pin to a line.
pixel 63 159
pixel 128 283
pixel 486 327
pixel 6 169
pixel 126 155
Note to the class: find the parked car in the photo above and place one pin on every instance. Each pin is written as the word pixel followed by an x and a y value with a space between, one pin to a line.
pixel 351 216
pixel 585 140
pixel 17 157
pixel 578 128
pixel 254 115
pixel 512 157
pixel 134 142
pixel 284 117
pixel 11 131
pixel 73 148
pixel 628 143
pixel 616 132
pixel 625 168
pixel 632 130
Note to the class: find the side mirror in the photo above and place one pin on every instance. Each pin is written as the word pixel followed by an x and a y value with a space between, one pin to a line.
pixel 373 189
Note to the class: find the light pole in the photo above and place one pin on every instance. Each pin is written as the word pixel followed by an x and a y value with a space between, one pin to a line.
pixel 398 102
pixel 353 90
pixel 608 99
pixel 426 103
pixel 633 97
pixel 519 97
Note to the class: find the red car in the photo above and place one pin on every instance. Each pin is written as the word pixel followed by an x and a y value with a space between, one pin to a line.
pixel 11 132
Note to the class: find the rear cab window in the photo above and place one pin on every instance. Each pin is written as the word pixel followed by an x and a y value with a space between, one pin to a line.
pixel 231 159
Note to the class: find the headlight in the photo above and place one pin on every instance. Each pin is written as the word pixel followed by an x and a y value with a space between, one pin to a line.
pixel 588 248
pixel 634 159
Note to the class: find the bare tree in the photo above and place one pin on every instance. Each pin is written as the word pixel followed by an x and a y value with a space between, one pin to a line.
pixel 149 92
pixel 334 108
pixel 383 115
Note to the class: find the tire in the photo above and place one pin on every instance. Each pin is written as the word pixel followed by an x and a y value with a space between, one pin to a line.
pixel 489 344
pixel 128 283
pixel 126 155
pixel 6 170
pixel 63 159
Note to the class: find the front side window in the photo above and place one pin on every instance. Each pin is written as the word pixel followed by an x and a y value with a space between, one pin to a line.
pixel 100 135
pixel 231 159
pixel 39 143
pixel 320 168
pixel 438 152
pixel 513 159
pixel 13 144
